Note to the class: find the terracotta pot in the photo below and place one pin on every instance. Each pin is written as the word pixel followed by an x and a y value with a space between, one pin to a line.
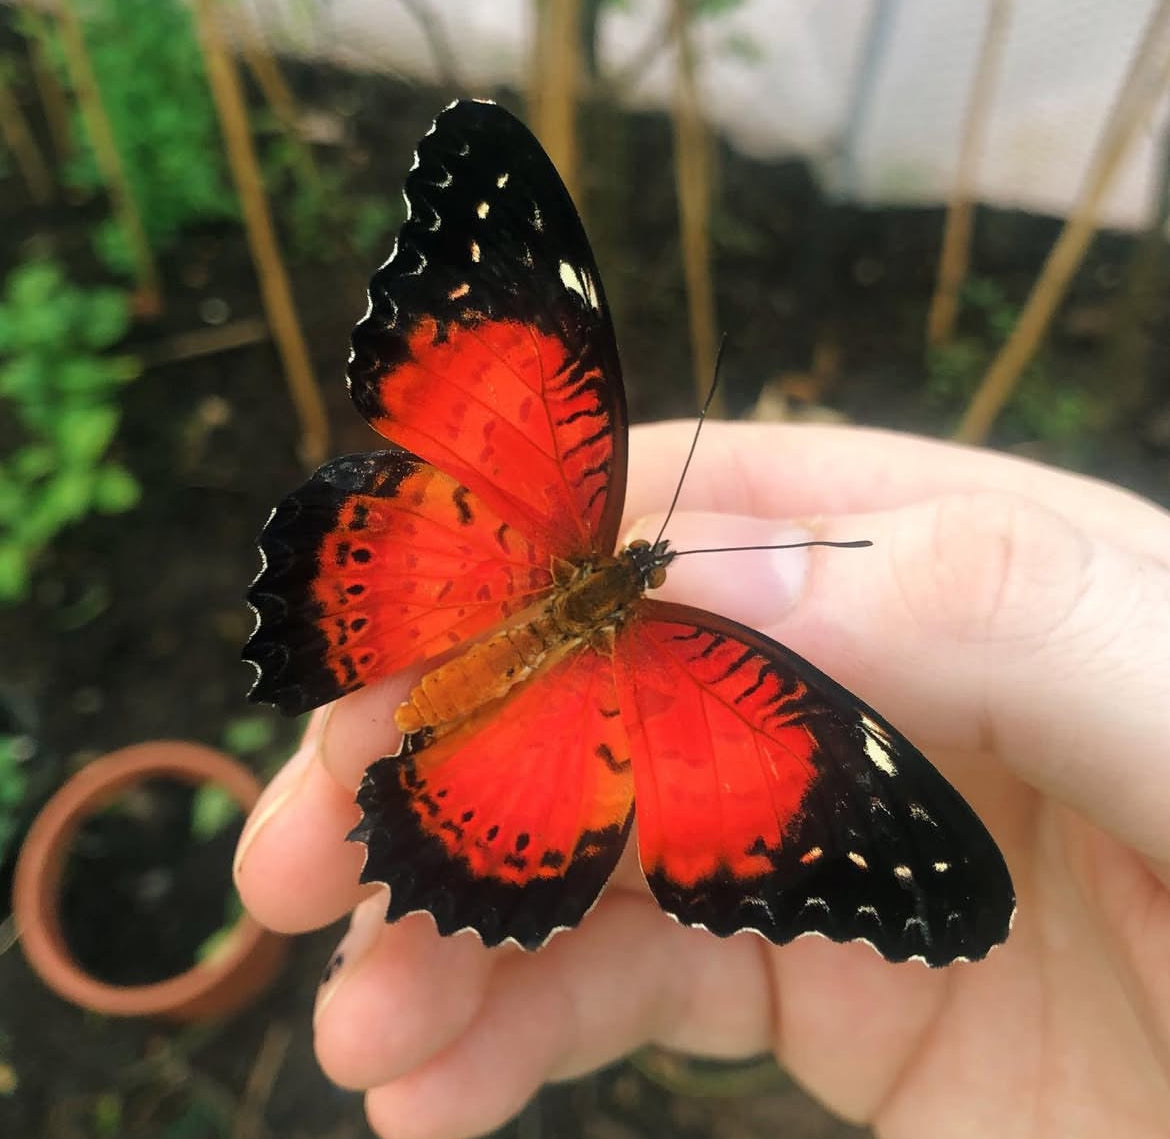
pixel 245 962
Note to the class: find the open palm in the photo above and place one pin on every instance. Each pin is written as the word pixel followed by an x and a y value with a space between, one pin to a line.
pixel 1015 623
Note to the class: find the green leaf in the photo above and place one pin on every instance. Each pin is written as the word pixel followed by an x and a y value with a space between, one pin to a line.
pixel 67 497
pixel 213 810
pixel 107 318
pixel 14 577
pixel 247 734
pixel 33 461
pixel 115 490
pixel 84 433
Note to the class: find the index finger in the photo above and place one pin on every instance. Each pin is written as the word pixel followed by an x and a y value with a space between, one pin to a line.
pixel 786 470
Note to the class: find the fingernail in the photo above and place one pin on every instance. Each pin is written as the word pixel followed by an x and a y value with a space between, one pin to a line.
pixel 283 787
pixel 364 926
pixel 756 587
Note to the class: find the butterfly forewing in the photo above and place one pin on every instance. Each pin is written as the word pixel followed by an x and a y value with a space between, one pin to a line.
pixel 379 560
pixel 770 798
pixel 488 348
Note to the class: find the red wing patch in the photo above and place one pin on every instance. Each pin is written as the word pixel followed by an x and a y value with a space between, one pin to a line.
pixel 772 799
pixel 511 823
pixel 376 562
pixel 513 414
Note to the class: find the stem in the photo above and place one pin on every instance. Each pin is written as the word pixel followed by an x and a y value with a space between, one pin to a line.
pixel 274 284
pixel 1146 80
pixel 692 173
pixel 556 65
pixel 109 159
pixel 54 101
pixel 956 249
pixel 19 138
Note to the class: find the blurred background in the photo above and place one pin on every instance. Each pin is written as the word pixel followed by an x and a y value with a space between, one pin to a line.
pixel 943 216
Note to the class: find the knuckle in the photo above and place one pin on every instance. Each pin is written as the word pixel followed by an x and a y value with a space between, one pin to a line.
pixel 990 567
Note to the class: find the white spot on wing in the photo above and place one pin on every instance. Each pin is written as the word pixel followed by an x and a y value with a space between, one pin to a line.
pixel 877 747
pixel 858 860
pixel 446 180
pixel 904 873
pixel 811 855
pixel 816 904
pixel 941 867
pixel 459 291
pixel 502 181
pixel 475 251
pixel 579 282
pixel 537 219
pixel 482 210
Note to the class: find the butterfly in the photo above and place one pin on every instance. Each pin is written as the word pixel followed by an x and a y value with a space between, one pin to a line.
pixel 558 699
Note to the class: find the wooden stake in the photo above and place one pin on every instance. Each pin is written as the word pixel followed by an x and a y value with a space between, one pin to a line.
pixel 18 136
pixel 247 34
pixel 552 99
pixel 109 158
pixel 274 284
pixel 1145 82
pixel 692 175
pixel 54 101
pixel 956 249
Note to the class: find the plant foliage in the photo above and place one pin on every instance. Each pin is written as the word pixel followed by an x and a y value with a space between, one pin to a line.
pixel 153 86
pixel 63 392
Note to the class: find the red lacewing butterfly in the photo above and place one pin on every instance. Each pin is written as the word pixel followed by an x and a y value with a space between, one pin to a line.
pixel 768 797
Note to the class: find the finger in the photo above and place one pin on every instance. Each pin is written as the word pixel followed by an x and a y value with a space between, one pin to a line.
pixel 395 995
pixel 626 976
pixel 293 869
pixel 978 622
pixel 790 470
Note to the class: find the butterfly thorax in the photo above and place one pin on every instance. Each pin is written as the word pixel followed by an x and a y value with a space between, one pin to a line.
pixel 590 600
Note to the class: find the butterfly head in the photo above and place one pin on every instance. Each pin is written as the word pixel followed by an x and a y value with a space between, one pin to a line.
pixel 649 561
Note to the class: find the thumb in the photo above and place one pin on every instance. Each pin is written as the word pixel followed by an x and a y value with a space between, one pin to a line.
pixel 976 621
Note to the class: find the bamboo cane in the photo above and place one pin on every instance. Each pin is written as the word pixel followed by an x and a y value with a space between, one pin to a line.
pixel 274 284
pixel 556 69
pixel 692 174
pixel 109 158
pixel 54 101
pixel 956 249
pixel 20 140
pixel 1146 80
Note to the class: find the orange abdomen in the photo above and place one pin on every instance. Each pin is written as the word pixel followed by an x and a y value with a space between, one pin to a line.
pixel 484 672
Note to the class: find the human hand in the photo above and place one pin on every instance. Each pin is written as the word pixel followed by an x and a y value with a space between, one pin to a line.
pixel 1014 622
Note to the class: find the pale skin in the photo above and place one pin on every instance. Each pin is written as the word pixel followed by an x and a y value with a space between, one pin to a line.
pixel 1014 622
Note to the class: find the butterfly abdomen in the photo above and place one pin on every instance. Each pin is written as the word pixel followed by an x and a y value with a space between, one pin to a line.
pixel 586 608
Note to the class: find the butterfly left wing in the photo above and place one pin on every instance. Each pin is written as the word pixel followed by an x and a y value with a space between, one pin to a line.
pixel 770 798
pixel 488 349
pixel 512 822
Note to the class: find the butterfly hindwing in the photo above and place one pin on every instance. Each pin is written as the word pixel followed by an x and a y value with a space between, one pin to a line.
pixel 379 560
pixel 511 823
pixel 770 798
pixel 488 348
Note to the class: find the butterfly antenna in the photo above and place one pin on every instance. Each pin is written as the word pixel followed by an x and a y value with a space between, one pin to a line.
pixel 695 438
pixel 857 544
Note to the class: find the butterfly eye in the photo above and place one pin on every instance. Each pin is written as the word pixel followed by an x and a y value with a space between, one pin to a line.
pixel 656 577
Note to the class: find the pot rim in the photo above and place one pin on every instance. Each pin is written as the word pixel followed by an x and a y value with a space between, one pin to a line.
pixel 248 956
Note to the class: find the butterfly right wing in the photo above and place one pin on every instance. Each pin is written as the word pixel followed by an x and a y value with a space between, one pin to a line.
pixel 770 798
pixel 378 561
